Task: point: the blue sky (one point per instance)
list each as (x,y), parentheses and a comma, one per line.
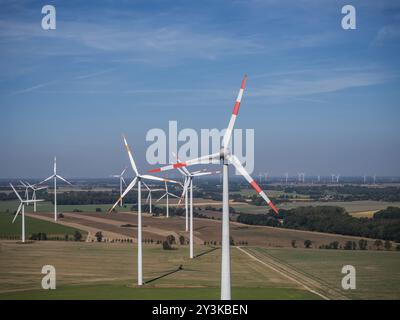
(321,99)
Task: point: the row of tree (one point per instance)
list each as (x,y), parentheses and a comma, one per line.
(385,224)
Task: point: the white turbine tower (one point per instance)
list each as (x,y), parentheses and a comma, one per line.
(286,177)
(188,185)
(55,176)
(34,189)
(21,208)
(226,158)
(167,194)
(121,180)
(139,177)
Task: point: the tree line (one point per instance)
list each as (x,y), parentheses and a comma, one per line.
(385,224)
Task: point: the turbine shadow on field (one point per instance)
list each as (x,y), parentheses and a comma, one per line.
(205,252)
(164,275)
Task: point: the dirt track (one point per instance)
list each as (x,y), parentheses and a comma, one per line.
(309,283)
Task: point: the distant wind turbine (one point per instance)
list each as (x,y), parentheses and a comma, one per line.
(21,208)
(139,177)
(34,189)
(167,194)
(121,180)
(55,176)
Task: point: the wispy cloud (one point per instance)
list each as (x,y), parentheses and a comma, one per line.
(33,88)
(94,74)
(388,34)
(312,82)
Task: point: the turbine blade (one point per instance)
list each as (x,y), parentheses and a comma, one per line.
(15,191)
(204,159)
(148,198)
(229,129)
(131,185)
(33,200)
(161,197)
(47,179)
(149,177)
(147,187)
(203,174)
(173,195)
(21,182)
(16,214)
(185,186)
(61,178)
(123,180)
(235,161)
(133,164)
(183,170)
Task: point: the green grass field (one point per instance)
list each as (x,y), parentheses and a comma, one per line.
(124,292)
(108,271)
(7,228)
(12,206)
(377,272)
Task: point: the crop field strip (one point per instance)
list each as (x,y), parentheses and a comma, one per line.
(308,280)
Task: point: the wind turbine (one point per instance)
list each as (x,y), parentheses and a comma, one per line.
(337,178)
(188,184)
(121,180)
(149,196)
(167,194)
(139,177)
(21,208)
(26,190)
(226,158)
(34,189)
(55,176)
(286,177)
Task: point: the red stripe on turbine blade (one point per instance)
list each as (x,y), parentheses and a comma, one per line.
(244,81)
(179,165)
(236,108)
(255,186)
(273,207)
(154,170)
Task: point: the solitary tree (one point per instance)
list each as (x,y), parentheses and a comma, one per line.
(307,243)
(166,245)
(378,244)
(77,236)
(99,236)
(170,239)
(294,244)
(388,245)
(362,244)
